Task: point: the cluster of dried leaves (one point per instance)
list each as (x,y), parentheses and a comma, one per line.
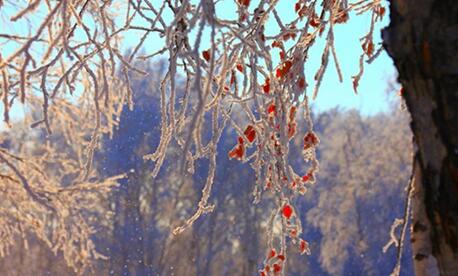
(66,59)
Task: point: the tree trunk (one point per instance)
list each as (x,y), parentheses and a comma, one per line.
(422,39)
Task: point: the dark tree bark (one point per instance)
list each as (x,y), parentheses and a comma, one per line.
(422,39)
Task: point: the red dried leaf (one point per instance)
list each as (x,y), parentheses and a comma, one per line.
(315,22)
(266,86)
(245,3)
(368,47)
(282,55)
(272,253)
(310,176)
(287,65)
(297,7)
(206,55)
(310,140)
(272,108)
(283,69)
(281,257)
(239,67)
(287,211)
(250,133)
(237,152)
(380,11)
(277,268)
(305,178)
(277,44)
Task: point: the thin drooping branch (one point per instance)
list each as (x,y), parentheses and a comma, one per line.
(251,82)
(399,242)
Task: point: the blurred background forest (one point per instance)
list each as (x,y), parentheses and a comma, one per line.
(365,167)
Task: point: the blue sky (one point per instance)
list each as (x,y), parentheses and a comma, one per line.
(374,86)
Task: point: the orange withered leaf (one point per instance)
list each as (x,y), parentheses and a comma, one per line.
(291,129)
(292,113)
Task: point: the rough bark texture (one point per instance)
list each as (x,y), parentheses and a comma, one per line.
(422,39)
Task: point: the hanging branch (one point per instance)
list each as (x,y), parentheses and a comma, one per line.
(73,69)
(394,240)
